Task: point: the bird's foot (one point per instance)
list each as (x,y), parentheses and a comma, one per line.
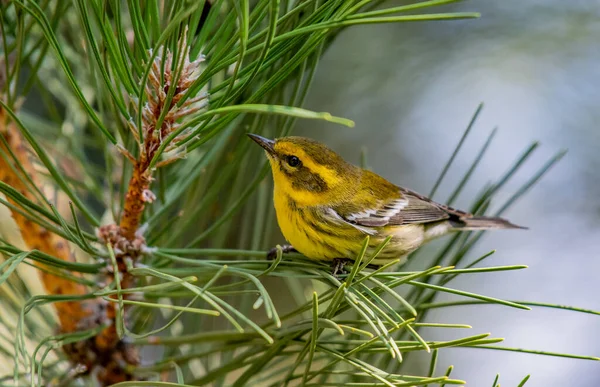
(272,254)
(337,266)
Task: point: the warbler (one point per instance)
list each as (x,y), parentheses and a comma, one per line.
(326,206)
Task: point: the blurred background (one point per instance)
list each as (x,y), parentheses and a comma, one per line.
(535,66)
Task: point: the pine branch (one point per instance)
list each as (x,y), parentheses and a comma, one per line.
(160,116)
(35,236)
(73,315)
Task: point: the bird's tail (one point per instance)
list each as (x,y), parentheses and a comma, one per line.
(482,223)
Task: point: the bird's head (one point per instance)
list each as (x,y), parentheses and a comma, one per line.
(307,171)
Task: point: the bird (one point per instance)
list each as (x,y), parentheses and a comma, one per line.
(326,207)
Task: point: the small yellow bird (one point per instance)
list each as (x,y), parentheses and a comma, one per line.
(326,206)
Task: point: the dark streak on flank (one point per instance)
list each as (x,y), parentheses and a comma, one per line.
(291,204)
(321,230)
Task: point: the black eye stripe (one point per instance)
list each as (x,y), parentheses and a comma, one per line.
(300,176)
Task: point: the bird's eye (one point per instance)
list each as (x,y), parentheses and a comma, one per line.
(293,161)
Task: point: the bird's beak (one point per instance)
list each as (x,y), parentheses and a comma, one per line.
(267,144)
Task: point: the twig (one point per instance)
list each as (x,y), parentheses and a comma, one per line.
(35,236)
(159,119)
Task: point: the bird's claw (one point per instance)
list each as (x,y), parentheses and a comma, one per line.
(272,254)
(337,266)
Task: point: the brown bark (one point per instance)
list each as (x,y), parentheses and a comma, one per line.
(36,237)
(105,353)
(108,357)
(135,199)
(118,354)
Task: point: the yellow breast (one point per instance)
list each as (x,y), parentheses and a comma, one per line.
(298,228)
